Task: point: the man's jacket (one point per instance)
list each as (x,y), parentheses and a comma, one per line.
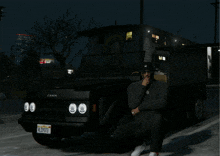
(153,97)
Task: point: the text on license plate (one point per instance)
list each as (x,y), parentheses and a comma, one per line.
(45,129)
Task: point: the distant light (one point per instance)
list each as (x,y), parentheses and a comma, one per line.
(164,58)
(23,35)
(70,71)
(219,50)
(175,40)
(148,31)
(129,35)
(183,44)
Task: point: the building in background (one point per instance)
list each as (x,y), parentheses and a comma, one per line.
(22,39)
(121,48)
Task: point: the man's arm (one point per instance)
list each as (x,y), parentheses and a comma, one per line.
(158,101)
(136,92)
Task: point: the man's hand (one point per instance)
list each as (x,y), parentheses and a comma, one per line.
(135,111)
(146,81)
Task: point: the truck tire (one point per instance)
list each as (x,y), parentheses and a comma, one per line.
(47,140)
(199,109)
(197,112)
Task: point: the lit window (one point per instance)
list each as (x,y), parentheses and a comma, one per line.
(162,58)
(129,35)
(165,43)
(70,71)
(155,36)
(183,44)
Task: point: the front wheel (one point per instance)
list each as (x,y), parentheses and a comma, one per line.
(45,140)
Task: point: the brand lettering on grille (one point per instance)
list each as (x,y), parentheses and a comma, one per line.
(51,95)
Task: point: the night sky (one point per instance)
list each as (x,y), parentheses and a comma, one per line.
(194,19)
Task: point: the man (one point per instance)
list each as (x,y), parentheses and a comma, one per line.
(147,100)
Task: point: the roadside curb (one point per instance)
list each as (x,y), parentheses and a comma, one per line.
(196,126)
(187,132)
(213,85)
(8,118)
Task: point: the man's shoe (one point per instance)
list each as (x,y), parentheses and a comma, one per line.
(137,151)
(153,154)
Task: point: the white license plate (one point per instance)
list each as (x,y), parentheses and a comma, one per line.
(45,129)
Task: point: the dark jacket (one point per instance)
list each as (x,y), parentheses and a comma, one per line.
(153,97)
(150,117)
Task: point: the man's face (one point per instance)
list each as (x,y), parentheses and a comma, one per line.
(146,74)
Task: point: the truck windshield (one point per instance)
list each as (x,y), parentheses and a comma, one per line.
(120,64)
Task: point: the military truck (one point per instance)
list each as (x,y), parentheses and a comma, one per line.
(69,106)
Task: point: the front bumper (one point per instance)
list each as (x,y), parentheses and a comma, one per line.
(75,126)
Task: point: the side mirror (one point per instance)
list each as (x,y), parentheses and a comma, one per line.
(135,76)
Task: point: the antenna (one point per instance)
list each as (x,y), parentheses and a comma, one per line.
(141,11)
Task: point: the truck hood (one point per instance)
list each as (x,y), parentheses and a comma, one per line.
(77,89)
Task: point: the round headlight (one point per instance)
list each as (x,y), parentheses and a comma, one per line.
(26,106)
(72,108)
(82,108)
(32,107)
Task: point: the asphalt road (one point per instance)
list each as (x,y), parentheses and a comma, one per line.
(199,139)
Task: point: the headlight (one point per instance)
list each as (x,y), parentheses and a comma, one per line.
(26,106)
(32,107)
(72,108)
(82,108)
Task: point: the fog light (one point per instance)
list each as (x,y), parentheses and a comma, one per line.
(72,108)
(26,106)
(82,108)
(32,107)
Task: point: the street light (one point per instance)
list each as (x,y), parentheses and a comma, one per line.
(216,5)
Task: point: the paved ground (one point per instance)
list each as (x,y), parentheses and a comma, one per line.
(201,139)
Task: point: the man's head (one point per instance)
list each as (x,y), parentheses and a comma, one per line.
(148,70)
(147,74)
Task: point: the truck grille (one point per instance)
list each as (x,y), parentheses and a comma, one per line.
(54,110)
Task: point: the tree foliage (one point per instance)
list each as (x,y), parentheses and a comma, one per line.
(6,66)
(56,37)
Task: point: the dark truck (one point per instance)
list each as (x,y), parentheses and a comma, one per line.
(71,106)
(57,108)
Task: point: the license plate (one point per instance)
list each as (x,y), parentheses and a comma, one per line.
(45,129)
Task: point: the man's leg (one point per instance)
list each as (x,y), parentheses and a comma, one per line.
(157,133)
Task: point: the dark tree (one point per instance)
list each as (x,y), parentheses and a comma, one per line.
(6,66)
(56,37)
